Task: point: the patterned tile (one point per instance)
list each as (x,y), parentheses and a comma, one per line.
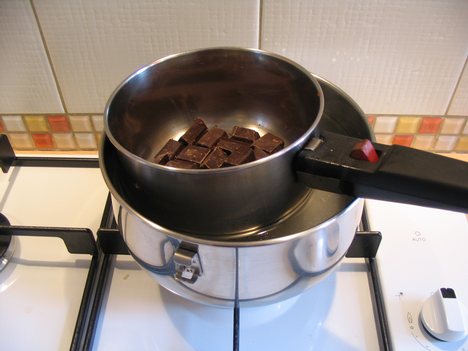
(462,144)
(58,124)
(445,143)
(21,141)
(64,141)
(404,140)
(36,123)
(452,125)
(81,123)
(423,142)
(408,124)
(14,124)
(86,140)
(42,140)
(385,124)
(430,125)
(98,123)
(384,139)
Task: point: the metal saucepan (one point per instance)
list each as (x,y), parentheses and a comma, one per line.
(266,92)
(275,263)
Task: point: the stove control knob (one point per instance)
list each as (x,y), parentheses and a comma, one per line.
(444,316)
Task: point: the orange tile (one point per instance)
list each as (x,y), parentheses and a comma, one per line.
(371,120)
(43,141)
(430,125)
(59,123)
(404,140)
(2,128)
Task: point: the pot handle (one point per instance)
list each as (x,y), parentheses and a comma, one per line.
(347,165)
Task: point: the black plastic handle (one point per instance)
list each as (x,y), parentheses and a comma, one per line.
(401,174)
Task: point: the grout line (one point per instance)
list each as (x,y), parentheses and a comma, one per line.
(456,86)
(49,58)
(260,17)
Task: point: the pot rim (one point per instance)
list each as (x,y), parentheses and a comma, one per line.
(299,142)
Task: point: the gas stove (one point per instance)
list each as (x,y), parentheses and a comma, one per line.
(70,283)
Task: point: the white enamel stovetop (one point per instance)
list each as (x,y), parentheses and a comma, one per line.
(40,291)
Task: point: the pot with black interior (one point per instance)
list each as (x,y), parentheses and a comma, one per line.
(268,265)
(229,87)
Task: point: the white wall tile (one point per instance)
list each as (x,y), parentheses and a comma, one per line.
(391,56)
(26,80)
(459,104)
(94,45)
(385,124)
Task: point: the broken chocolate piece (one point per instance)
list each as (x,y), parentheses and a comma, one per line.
(231,146)
(245,135)
(168,152)
(259,153)
(269,143)
(238,158)
(211,137)
(194,133)
(182,164)
(215,160)
(193,153)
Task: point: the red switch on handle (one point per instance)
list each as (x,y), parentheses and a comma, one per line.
(364,150)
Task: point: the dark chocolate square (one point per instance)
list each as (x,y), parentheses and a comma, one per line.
(168,152)
(211,137)
(193,153)
(245,135)
(238,158)
(269,143)
(215,159)
(231,146)
(194,133)
(259,153)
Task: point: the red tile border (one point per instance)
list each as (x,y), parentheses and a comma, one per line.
(59,124)
(430,125)
(404,140)
(43,141)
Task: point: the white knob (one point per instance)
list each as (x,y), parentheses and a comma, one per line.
(444,316)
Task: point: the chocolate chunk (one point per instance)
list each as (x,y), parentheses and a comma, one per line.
(269,143)
(212,148)
(194,132)
(182,164)
(238,158)
(211,137)
(245,135)
(193,153)
(168,152)
(259,153)
(231,146)
(215,160)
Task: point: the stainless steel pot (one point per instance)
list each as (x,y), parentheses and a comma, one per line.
(252,88)
(270,265)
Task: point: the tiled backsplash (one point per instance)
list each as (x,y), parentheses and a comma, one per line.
(432,133)
(403,61)
(83,132)
(53,132)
